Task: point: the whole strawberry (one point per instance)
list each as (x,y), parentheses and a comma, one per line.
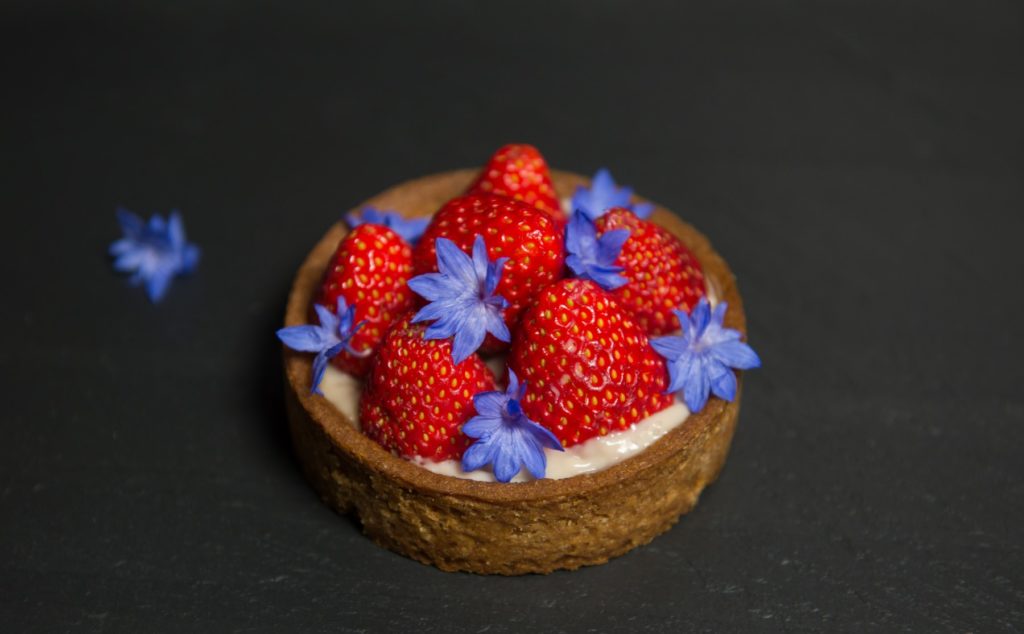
(370,270)
(417,398)
(588,364)
(525,235)
(661,273)
(644,266)
(519,171)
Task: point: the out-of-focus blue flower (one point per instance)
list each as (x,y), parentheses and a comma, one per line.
(507,439)
(603,194)
(410,229)
(702,359)
(462,299)
(593,258)
(153,252)
(642,210)
(327,339)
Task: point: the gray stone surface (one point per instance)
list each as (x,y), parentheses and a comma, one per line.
(860,166)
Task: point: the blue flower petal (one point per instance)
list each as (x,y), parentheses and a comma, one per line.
(431,286)
(576,264)
(131,225)
(487,404)
(303,338)
(480,260)
(684,322)
(535,461)
(443,328)
(332,335)
(158,281)
(493,278)
(453,263)
(580,234)
(700,317)
(366,216)
(430,312)
(345,315)
(122,246)
(679,371)
(461,299)
(454,314)
(736,354)
(593,258)
(607,277)
(154,252)
(496,325)
(482,425)
(603,194)
(155,225)
(702,360)
(643,210)
(347,342)
(669,347)
(467,340)
(130,259)
(506,464)
(190,258)
(176,231)
(478,456)
(544,437)
(514,391)
(506,438)
(410,229)
(696,385)
(716,335)
(319,367)
(609,246)
(722,380)
(718,313)
(328,320)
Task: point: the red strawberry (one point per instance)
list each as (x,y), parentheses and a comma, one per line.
(663,275)
(370,269)
(588,364)
(527,236)
(416,399)
(519,171)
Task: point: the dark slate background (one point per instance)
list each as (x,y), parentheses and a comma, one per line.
(860,165)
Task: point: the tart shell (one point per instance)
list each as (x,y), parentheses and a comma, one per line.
(493,528)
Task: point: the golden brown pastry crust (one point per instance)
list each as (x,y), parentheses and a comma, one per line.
(493,528)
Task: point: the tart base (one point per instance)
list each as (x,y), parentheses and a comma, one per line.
(491,528)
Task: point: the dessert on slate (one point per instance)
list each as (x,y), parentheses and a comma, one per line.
(513,370)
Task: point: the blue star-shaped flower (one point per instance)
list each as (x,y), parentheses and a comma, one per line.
(593,258)
(462,298)
(701,360)
(153,252)
(409,228)
(603,194)
(327,339)
(506,437)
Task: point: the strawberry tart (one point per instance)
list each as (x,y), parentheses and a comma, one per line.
(512,369)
